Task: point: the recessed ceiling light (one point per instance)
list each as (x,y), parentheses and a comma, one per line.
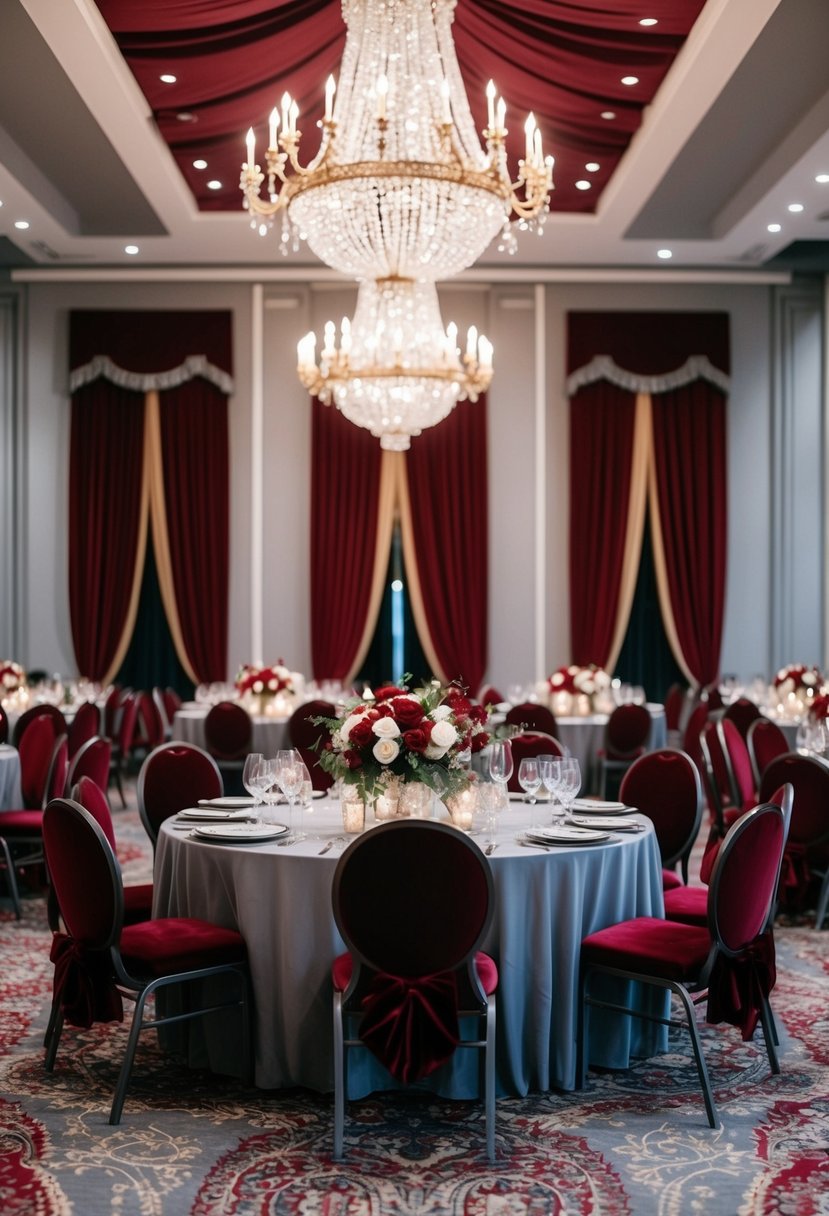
(608,114)
(199,164)
(647,20)
(630,80)
(167,78)
(132,250)
(583,184)
(592,166)
(795,207)
(775,228)
(22,224)
(822,178)
(664,254)
(214,185)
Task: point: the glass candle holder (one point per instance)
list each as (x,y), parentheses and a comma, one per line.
(354,813)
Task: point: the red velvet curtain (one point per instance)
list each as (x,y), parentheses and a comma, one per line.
(345,479)
(690,465)
(105,475)
(447,475)
(601,447)
(194,442)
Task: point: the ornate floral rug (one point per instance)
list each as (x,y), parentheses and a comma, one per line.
(191,1144)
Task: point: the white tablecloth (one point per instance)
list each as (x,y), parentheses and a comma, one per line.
(270,734)
(545,903)
(10,795)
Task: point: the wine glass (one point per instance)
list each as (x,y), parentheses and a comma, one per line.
(549,768)
(271,791)
(289,768)
(570,783)
(253,778)
(529,778)
(500,761)
(306,798)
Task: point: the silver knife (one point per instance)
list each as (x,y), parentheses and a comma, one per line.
(325,848)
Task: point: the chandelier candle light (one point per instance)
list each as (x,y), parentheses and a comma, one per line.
(399,195)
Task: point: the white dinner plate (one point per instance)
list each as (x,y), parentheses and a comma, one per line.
(211,813)
(240,833)
(566,835)
(228,804)
(523,798)
(611,824)
(595,806)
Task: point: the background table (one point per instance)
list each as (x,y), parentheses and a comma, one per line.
(545,903)
(11,797)
(270,734)
(584,737)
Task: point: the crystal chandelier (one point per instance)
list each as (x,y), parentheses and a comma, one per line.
(400,194)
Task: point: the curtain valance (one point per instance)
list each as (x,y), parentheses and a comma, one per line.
(603,367)
(103,368)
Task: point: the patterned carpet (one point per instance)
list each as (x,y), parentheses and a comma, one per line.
(635,1142)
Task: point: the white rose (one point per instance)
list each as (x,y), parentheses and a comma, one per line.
(443,735)
(258,686)
(385,728)
(434,753)
(385,750)
(557,679)
(442,711)
(602,679)
(273,685)
(581,681)
(809,678)
(348,726)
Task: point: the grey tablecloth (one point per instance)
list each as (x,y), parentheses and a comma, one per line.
(10,795)
(545,903)
(269,734)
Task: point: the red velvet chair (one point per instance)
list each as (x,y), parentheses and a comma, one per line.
(806,863)
(93,760)
(21,843)
(149,724)
(99,960)
(122,742)
(524,747)
(738,759)
(228,731)
(413,901)
(4,725)
(172,703)
(304,735)
(490,695)
(138,897)
(731,960)
(113,706)
(674,702)
(32,715)
(718,779)
(742,713)
(531,716)
(665,786)
(173,776)
(766,741)
(86,724)
(693,729)
(626,735)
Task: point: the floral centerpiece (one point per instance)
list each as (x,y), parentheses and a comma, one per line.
(798,679)
(401,737)
(264,686)
(578,688)
(819,707)
(12,677)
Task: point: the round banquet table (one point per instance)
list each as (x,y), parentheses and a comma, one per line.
(270,733)
(11,797)
(279,898)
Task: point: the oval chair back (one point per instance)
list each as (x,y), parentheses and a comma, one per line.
(35,749)
(4,725)
(527,745)
(627,732)
(85,725)
(674,701)
(490,695)
(742,713)
(93,761)
(665,786)
(304,735)
(743,884)
(32,715)
(88,794)
(58,769)
(112,709)
(228,731)
(739,761)
(766,741)
(719,782)
(173,776)
(809,777)
(84,874)
(531,716)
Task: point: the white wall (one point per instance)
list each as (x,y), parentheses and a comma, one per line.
(507,313)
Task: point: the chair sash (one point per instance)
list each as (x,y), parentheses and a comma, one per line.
(411,1025)
(737,986)
(83,983)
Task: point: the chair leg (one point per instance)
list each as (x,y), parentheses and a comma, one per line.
(823,900)
(53,1032)
(769,1033)
(489,1078)
(339,1077)
(14,894)
(702,1070)
(129,1056)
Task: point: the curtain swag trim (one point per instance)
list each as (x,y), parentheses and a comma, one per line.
(603,367)
(147,382)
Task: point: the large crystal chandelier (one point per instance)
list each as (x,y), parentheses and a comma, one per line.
(400,194)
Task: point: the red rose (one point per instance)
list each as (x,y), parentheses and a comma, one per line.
(417,739)
(478,741)
(388,691)
(353,759)
(361,733)
(478,714)
(406,712)
(383,711)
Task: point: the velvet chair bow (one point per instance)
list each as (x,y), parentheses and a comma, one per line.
(737,984)
(84,984)
(411,1025)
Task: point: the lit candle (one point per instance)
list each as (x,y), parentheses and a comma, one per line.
(250,140)
(330,90)
(294,116)
(354,814)
(273,127)
(529,130)
(538,151)
(345,336)
(382,94)
(502,114)
(444,93)
(328,340)
(490,105)
(471,342)
(286,112)
(485,350)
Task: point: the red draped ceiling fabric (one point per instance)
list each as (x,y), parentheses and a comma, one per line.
(562,59)
(678,364)
(115,359)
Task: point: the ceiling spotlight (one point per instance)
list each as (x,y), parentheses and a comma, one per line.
(608,114)
(592,166)
(22,224)
(214,185)
(775,228)
(167,78)
(664,254)
(200,164)
(583,184)
(647,20)
(795,207)
(823,178)
(630,80)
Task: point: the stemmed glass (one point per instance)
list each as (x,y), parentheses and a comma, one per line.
(570,783)
(500,761)
(255,778)
(289,776)
(529,778)
(306,795)
(550,771)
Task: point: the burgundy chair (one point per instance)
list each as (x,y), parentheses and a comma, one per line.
(674,701)
(172,703)
(626,734)
(99,960)
(166,720)
(413,971)
(4,725)
(93,760)
(742,713)
(712,697)
(766,741)
(149,725)
(532,716)
(665,786)
(138,897)
(718,778)
(21,843)
(122,742)
(32,715)
(173,776)
(304,736)
(490,695)
(806,863)
(228,731)
(735,748)
(693,729)
(85,725)
(731,960)
(524,747)
(113,705)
